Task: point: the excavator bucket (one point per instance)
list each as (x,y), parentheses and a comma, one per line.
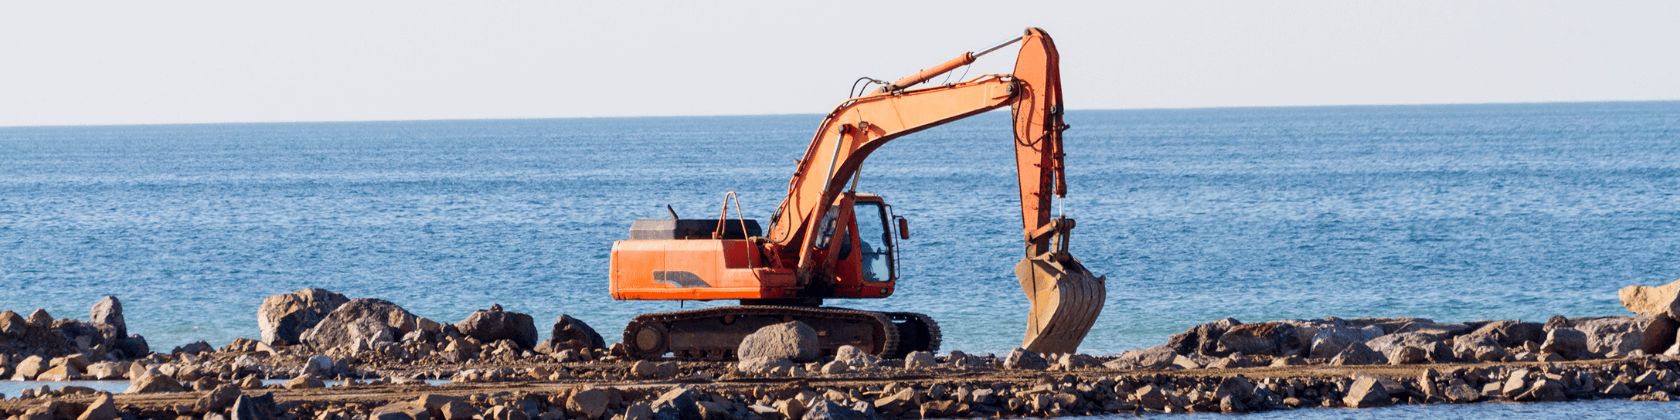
(1066,299)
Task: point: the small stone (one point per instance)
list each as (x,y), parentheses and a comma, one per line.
(1366,393)
(591,403)
(919,360)
(151,383)
(102,408)
(644,369)
(1461,393)
(458,410)
(679,404)
(218,399)
(1020,358)
(305,382)
(1405,355)
(835,367)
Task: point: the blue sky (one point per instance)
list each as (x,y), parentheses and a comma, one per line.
(74,63)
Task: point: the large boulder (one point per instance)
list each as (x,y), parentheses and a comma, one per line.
(371,320)
(496,324)
(12,324)
(792,340)
(1481,347)
(1512,333)
(1266,338)
(108,312)
(284,318)
(1647,300)
(1329,341)
(1150,358)
(153,382)
(1624,334)
(1391,344)
(1567,342)
(571,334)
(1358,354)
(1201,339)
(1366,392)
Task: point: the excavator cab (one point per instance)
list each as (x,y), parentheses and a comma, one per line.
(877,253)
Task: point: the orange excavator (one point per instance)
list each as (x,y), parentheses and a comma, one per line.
(828,241)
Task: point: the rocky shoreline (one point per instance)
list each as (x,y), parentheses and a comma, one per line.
(361,359)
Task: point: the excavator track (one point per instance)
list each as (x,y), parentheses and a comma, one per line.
(713,334)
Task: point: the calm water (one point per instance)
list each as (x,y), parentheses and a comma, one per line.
(1455,213)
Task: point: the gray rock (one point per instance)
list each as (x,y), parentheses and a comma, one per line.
(1461,393)
(1512,333)
(1151,358)
(1432,347)
(1647,300)
(589,402)
(133,347)
(791,340)
(102,408)
(39,318)
(1623,334)
(1201,339)
(676,404)
(1544,390)
(1020,358)
(828,410)
(1072,361)
(218,399)
(1332,340)
(318,365)
(1358,354)
(572,334)
(1405,355)
(1438,331)
(639,411)
(1366,393)
(763,365)
(152,383)
(370,320)
(109,312)
(1479,346)
(1567,342)
(919,360)
(496,324)
(260,407)
(283,318)
(1266,338)
(855,357)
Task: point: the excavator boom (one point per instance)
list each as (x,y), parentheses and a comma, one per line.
(1066,298)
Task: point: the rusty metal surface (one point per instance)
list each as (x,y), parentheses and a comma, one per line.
(1066,300)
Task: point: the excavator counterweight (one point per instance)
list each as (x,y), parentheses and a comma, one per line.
(827,241)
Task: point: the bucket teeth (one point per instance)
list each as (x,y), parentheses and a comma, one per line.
(1066,300)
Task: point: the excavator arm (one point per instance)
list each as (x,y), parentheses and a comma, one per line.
(1066,298)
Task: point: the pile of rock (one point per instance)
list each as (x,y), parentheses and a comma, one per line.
(39,345)
(373,330)
(1228,343)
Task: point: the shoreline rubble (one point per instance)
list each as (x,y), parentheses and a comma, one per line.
(363,359)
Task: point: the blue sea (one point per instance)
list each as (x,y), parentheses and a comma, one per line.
(1449,212)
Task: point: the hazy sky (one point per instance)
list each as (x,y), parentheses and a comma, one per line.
(183,62)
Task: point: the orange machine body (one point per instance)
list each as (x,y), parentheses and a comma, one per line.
(705,269)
